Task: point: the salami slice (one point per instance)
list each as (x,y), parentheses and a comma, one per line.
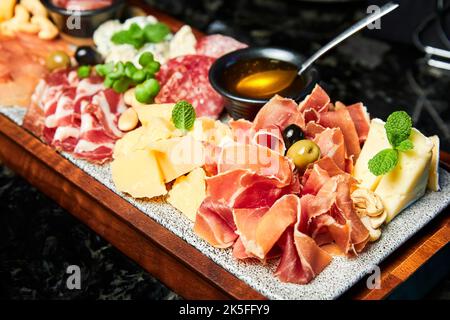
(217,45)
(186,78)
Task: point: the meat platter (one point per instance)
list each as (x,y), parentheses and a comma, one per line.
(300,202)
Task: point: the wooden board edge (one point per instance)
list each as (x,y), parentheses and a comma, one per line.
(69,186)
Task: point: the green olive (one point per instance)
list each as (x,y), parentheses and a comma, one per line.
(303,152)
(57,60)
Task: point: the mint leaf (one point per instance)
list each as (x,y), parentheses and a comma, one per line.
(383,162)
(183,115)
(156,32)
(405,145)
(398,127)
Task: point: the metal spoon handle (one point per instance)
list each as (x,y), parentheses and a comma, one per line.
(348,32)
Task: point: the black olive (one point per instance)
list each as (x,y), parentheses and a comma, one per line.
(291,134)
(88,56)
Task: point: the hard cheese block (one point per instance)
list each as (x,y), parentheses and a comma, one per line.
(408,181)
(178,156)
(376,141)
(433,180)
(140,138)
(138,174)
(188,193)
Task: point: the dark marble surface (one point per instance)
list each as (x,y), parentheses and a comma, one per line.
(38,239)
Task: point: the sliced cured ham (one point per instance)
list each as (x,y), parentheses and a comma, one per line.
(260,229)
(214,223)
(318,100)
(341,119)
(22,65)
(279,112)
(361,119)
(258,159)
(332,145)
(78,116)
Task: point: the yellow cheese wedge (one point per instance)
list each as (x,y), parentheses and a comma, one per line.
(433,180)
(7,9)
(128,143)
(138,174)
(376,141)
(178,156)
(407,182)
(140,138)
(209,130)
(188,193)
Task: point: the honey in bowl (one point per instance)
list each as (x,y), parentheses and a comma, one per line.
(261,78)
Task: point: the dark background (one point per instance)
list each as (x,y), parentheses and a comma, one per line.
(38,239)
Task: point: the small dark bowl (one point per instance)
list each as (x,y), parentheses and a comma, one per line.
(247,108)
(89,19)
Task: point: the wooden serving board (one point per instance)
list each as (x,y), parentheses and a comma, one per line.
(177,264)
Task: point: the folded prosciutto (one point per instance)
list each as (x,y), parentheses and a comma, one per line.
(261,206)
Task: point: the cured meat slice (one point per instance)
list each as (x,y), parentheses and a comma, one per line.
(75,115)
(217,45)
(261,228)
(247,189)
(258,159)
(186,78)
(361,119)
(312,129)
(271,138)
(214,223)
(22,65)
(318,100)
(341,118)
(331,144)
(242,131)
(279,112)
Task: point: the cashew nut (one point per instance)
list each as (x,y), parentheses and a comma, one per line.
(370,209)
(20,22)
(47,29)
(35,7)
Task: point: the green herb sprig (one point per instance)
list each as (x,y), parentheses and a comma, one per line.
(137,36)
(398,130)
(183,115)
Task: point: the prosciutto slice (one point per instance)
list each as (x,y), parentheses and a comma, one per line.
(332,145)
(318,100)
(214,223)
(279,112)
(341,119)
